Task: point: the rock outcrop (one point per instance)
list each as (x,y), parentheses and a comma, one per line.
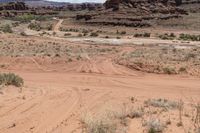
(134,13)
(12,9)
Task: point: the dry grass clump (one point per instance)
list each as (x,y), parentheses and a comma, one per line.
(110,119)
(155,126)
(11,79)
(98,124)
(163,60)
(136,113)
(164,103)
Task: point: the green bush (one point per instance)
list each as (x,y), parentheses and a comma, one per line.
(138,35)
(49,27)
(167,36)
(11,79)
(168,70)
(142,35)
(172,35)
(187,37)
(94,34)
(147,35)
(6,28)
(29,17)
(34,26)
(24,18)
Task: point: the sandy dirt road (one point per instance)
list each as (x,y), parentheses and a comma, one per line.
(57,26)
(53,102)
(55,96)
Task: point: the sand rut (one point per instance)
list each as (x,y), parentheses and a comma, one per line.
(103,66)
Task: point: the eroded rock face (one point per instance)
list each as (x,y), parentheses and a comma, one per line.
(134,13)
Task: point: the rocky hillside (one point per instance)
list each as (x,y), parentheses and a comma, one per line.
(42,7)
(13,6)
(13,9)
(134,13)
(57,5)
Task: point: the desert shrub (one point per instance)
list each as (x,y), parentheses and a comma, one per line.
(85,34)
(167,36)
(106,36)
(54,33)
(94,34)
(142,34)
(29,17)
(11,79)
(164,103)
(67,34)
(118,37)
(188,37)
(15,24)
(98,124)
(99,31)
(182,69)
(155,126)
(49,27)
(23,33)
(6,28)
(137,113)
(85,31)
(168,70)
(34,26)
(80,35)
(147,35)
(123,33)
(172,35)
(24,18)
(190,56)
(163,37)
(72,30)
(138,35)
